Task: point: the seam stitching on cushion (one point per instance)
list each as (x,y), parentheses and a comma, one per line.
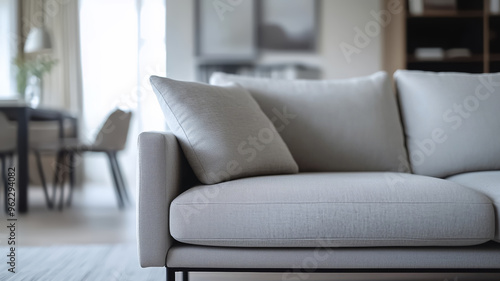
(326,238)
(180,125)
(314,203)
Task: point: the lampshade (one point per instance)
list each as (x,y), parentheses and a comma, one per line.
(38,41)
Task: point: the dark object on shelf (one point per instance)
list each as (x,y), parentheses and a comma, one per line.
(430,5)
(468,5)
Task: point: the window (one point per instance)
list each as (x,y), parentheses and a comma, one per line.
(122,45)
(8,48)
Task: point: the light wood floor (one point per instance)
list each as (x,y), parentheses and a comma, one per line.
(93,218)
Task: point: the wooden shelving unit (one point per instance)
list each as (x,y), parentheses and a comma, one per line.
(470,26)
(449,14)
(472,58)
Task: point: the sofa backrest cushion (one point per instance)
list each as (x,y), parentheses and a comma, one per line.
(333,125)
(451,120)
(222,131)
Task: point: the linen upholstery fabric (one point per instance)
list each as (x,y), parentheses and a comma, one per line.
(162,175)
(486,256)
(222,131)
(451,121)
(487,183)
(333,125)
(332,209)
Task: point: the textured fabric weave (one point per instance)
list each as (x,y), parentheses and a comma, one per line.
(486,256)
(451,121)
(488,183)
(222,131)
(333,125)
(338,209)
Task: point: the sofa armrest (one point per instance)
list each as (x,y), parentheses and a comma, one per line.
(162,175)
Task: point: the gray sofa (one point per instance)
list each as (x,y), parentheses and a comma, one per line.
(392,183)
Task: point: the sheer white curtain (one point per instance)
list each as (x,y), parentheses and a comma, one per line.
(8,48)
(122,44)
(62,86)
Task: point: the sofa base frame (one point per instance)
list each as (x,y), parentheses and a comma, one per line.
(170,272)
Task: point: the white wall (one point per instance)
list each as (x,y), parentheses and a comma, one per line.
(180,40)
(338,21)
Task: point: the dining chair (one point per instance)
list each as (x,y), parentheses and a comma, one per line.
(7,150)
(111,139)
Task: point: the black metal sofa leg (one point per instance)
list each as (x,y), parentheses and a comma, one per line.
(170,274)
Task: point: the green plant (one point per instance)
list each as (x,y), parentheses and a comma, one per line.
(37,66)
(21,75)
(40,65)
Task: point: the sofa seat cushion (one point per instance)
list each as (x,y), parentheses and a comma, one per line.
(332,209)
(487,183)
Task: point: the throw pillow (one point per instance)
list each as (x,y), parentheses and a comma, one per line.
(222,131)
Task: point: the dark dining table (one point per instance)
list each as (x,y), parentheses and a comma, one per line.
(23,114)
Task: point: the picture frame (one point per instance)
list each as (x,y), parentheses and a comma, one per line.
(289,25)
(226,31)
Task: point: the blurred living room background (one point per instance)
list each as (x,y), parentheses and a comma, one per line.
(97,56)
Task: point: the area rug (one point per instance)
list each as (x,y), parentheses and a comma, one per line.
(75,263)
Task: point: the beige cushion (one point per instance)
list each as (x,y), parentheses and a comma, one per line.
(222,131)
(333,125)
(451,121)
(332,210)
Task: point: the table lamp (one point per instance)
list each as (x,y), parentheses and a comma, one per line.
(37,42)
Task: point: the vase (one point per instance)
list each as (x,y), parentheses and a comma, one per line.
(33,93)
